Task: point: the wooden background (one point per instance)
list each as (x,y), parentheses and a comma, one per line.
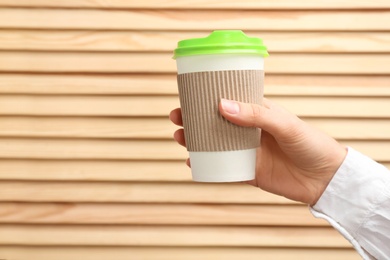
(88,167)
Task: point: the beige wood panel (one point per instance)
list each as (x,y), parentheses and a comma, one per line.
(88,166)
(201,4)
(194,19)
(157,214)
(305,106)
(72,62)
(157,84)
(173,253)
(98,170)
(162,128)
(103,235)
(87,170)
(137,192)
(68,40)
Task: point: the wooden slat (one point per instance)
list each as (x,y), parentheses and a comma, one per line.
(91,149)
(194,19)
(157,214)
(36,191)
(91,106)
(157,84)
(87,127)
(88,170)
(171,236)
(12,148)
(84,170)
(200,4)
(336,106)
(47,105)
(173,253)
(162,128)
(163,63)
(86,84)
(353,129)
(54,40)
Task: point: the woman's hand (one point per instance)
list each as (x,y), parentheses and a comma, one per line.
(294,160)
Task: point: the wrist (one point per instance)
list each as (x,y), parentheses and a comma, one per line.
(336,160)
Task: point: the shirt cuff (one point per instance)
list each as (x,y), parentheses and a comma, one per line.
(347,203)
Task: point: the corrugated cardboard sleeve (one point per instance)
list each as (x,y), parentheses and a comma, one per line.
(204,127)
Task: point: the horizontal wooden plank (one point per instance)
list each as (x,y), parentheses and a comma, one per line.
(74,62)
(91,84)
(174,253)
(157,214)
(322,237)
(37,191)
(194,19)
(353,129)
(39,148)
(87,106)
(87,127)
(161,128)
(99,170)
(69,105)
(200,4)
(336,106)
(68,40)
(91,149)
(157,84)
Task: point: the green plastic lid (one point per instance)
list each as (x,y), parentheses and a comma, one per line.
(221,42)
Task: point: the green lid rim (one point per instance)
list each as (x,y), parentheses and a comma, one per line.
(201,46)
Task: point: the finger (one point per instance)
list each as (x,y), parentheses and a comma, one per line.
(175,117)
(188,162)
(269,117)
(179,137)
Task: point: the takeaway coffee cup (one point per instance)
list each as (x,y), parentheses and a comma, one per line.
(226,64)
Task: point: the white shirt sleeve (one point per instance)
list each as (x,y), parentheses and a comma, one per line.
(357,203)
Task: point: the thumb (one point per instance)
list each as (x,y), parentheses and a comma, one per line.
(268,116)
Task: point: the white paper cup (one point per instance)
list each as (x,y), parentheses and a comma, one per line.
(219,150)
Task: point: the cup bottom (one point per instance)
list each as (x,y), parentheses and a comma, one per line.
(226,166)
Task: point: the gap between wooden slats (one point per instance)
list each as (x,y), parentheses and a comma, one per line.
(200,4)
(87,62)
(40,148)
(174,253)
(152,106)
(159,84)
(103,235)
(162,128)
(97,170)
(157,214)
(67,40)
(194,19)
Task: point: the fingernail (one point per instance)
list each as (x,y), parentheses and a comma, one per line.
(230,107)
